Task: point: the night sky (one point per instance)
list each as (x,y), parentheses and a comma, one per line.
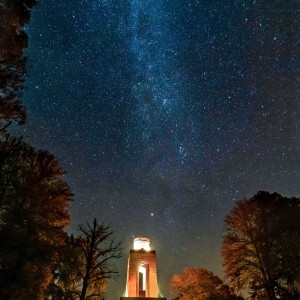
(164,113)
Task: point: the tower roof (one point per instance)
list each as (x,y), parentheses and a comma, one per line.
(141,243)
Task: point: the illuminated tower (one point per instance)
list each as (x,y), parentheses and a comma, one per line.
(141,271)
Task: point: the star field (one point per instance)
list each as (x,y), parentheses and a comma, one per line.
(164,113)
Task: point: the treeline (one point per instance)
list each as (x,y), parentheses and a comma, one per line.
(261,253)
(38,260)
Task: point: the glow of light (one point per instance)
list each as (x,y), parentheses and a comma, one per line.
(141,243)
(125,294)
(160,294)
(143,271)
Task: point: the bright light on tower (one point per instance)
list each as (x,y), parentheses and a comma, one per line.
(143,271)
(141,243)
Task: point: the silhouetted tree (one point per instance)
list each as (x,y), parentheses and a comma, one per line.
(98,251)
(33,215)
(13,39)
(261,246)
(33,198)
(200,284)
(66,281)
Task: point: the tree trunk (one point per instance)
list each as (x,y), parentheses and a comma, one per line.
(83,291)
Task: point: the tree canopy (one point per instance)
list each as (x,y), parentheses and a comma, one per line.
(34,214)
(85,264)
(200,284)
(13,39)
(261,246)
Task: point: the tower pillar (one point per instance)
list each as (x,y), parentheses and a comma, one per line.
(141,271)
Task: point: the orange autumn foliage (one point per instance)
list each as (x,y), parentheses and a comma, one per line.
(200,284)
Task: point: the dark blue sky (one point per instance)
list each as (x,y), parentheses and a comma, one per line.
(164,113)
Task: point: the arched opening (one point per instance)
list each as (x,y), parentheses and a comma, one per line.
(142,281)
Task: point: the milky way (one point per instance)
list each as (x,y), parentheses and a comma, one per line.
(164,113)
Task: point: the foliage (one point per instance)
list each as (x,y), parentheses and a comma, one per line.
(34,204)
(33,198)
(13,39)
(200,284)
(261,246)
(85,264)
(66,280)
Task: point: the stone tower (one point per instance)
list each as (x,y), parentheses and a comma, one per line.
(141,271)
